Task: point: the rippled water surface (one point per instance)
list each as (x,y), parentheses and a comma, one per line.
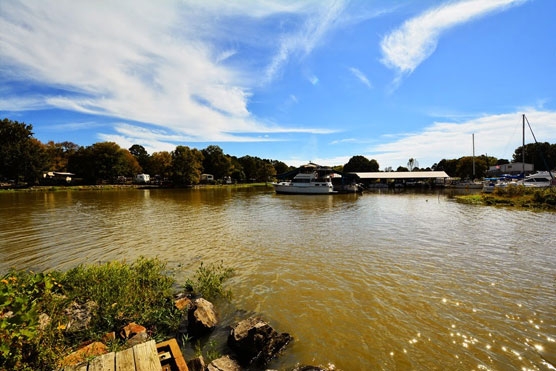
(377,281)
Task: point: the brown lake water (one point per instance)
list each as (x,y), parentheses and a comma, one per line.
(372,281)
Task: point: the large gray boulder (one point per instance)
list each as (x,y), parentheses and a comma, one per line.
(256,342)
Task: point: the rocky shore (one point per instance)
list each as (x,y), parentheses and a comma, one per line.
(252,343)
(63,319)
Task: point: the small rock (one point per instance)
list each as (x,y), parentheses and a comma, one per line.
(79,315)
(80,355)
(202,317)
(131,329)
(256,342)
(44,321)
(223,364)
(109,336)
(196,364)
(137,339)
(183,303)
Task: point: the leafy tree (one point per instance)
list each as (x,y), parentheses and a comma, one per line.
(37,162)
(449,166)
(141,155)
(280,167)
(103,161)
(128,165)
(265,171)
(215,162)
(534,155)
(502,161)
(20,154)
(249,165)
(464,167)
(236,172)
(161,164)
(187,165)
(402,169)
(59,154)
(361,164)
(489,160)
(111,161)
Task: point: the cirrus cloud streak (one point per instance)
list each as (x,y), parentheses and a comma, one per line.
(409,45)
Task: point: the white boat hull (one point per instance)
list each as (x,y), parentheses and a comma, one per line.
(303,189)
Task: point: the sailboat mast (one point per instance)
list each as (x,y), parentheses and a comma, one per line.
(473,139)
(523,148)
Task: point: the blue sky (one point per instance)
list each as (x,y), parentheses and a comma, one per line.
(288,80)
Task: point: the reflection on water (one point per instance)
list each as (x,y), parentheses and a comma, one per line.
(382,280)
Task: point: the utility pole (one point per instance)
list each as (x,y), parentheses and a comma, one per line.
(473,139)
(523,148)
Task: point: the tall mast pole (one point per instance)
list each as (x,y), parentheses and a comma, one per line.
(473,139)
(523,147)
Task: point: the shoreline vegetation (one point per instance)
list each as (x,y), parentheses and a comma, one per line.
(117,187)
(54,319)
(514,196)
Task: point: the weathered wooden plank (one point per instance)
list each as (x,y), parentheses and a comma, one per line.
(105,362)
(146,357)
(79,367)
(125,361)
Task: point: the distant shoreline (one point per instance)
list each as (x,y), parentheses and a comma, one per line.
(119,187)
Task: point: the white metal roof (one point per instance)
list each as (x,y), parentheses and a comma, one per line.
(403,175)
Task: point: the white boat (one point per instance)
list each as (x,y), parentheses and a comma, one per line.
(311,179)
(540,179)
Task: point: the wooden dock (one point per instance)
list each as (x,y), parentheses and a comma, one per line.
(142,357)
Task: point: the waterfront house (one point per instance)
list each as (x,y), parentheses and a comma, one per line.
(512,168)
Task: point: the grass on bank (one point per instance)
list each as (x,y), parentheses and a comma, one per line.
(515,196)
(140,292)
(116,187)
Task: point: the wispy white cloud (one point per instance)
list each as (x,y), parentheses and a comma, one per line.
(498,135)
(353,140)
(408,46)
(301,42)
(155,140)
(140,61)
(74,126)
(17,103)
(361,76)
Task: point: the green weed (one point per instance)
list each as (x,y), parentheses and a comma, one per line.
(208,281)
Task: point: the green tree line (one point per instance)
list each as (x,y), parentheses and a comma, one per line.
(24,158)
